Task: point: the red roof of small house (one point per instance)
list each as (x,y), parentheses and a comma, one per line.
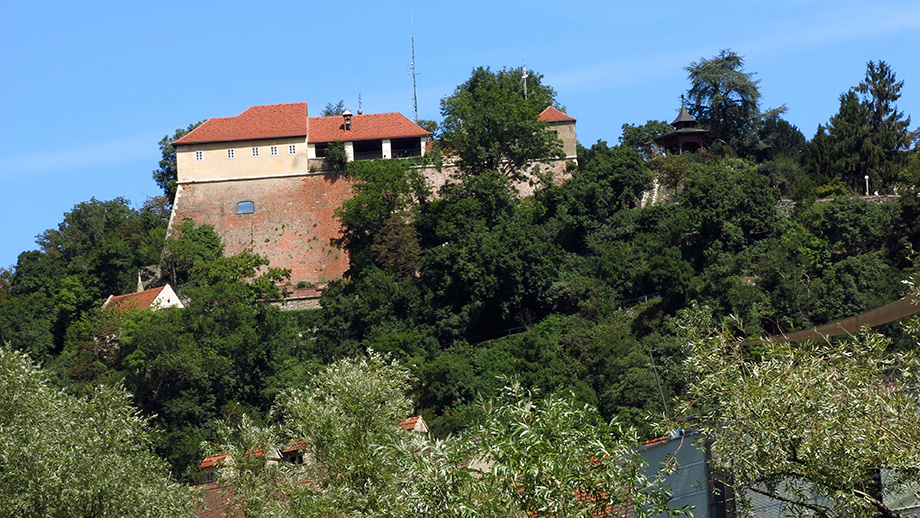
(372,126)
(133,301)
(295,445)
(213,460)
(411,423)
(408,423)
(551,114)
(257,122)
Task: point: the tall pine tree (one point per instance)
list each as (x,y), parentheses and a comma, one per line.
(868,135)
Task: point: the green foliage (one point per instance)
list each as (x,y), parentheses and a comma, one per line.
(167,174)
(489,125)
(867,136)
(331,110)
(95,252)
(550,457)
(777,138)
(72,456)
(553,456)
(189,249)
(726,100)
(608,180)
(336,158)
(642,138)
(806,420)
(376,220)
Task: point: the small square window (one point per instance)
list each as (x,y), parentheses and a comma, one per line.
(292,149)
(245,207)
(255,152)
(231,153)
(199,156)
(273,150)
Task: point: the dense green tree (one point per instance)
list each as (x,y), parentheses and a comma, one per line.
(642,138)
(190,248)
(489,123)
(551,456)
(95,252)
(725,99)
(848,409)
(778,138)
(847,133)
(609,179)
(70,456)
(867,137)
(336,158)
(331,110)
(879,92)
(377,220)
(167,174)
(486,268)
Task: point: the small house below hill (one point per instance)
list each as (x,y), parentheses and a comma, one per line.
(414,424)
(153,299)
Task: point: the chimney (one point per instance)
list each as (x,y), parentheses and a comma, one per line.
(347,116)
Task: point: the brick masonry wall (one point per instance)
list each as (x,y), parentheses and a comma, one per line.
(293,222)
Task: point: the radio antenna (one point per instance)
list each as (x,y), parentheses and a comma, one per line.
(413,73)
(524,75)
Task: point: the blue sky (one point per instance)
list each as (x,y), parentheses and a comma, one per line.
(87,89)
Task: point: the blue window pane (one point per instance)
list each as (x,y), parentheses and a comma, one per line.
(245,207)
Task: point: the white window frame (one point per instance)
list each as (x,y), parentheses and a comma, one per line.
(273,151)
(231,153)
(199,156)
(292,149)
(255,152)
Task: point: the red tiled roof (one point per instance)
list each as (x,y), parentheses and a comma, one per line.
(364,127)
(257,122)
(132,301)
(295,445)
(551,114)
(213,460)
(409,423)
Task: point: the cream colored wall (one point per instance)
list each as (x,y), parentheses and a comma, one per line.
(216,165)
(566,133)
(166,299)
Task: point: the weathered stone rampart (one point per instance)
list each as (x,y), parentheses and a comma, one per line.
(292,222)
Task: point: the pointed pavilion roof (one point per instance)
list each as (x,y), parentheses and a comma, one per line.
(684,119)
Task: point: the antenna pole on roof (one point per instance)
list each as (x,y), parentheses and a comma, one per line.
(359,104)
(413,73)
(524,75)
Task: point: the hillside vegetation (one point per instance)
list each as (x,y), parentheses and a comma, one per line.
(581,287)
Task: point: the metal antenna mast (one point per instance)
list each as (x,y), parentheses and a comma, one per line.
(524,75)
(413,73)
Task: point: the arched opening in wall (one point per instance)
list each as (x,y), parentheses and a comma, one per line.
(245,207)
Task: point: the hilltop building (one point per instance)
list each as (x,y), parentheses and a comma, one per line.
(687,137)
(258,178)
